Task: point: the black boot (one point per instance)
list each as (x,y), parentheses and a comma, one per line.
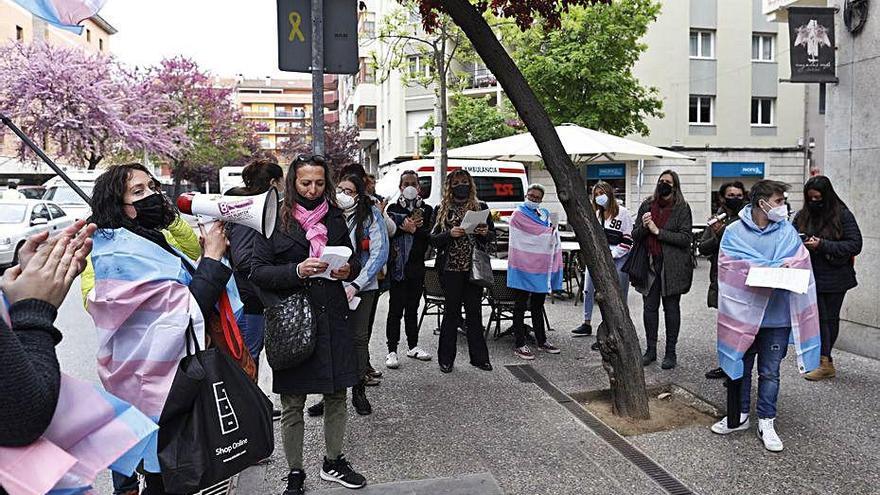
(296,478)
(359,400)
(317,409)
(669,361)
(650,356)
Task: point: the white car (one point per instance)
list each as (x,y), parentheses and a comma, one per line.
(64,196)
(19,219)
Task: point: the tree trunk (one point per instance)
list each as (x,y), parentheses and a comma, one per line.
(175,172)
(93,161)
(619,345)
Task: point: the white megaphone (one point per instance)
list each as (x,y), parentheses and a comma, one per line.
(257,212)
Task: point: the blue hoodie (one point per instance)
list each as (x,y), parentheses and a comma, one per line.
(768,240)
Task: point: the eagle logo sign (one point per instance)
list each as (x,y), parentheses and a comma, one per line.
(812,35)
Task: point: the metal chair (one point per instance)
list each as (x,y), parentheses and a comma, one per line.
(434,298)
(502,300)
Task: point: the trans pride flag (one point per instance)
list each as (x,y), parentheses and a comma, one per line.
(90,431)
(64,14)
(534,258)
(741,308)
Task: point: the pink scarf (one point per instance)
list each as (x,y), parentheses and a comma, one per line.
(316,232)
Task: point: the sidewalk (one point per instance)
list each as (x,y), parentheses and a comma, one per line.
(473,426)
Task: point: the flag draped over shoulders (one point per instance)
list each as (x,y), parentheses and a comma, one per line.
(741,308)
(534,258)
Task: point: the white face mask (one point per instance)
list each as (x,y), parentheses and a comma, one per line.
(776,214)
(344,201)
(602,200)
(410,193)
(531,204)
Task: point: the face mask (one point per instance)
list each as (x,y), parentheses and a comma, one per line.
(309,204)
(602,200)
(777,214)
(816,206)
(532,205)
(664,189)
(152,211)
(461,191)
(733,204)
(344,201)
(410,193)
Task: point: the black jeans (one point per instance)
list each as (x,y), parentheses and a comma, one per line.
(535,302)
(460,291)
(153,484)
(829,319)
(671,315)
(404,303)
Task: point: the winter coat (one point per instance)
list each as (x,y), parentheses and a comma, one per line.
(675,239)
(414,268)
(833,264)
(241,249)
(332,367)
(710,244)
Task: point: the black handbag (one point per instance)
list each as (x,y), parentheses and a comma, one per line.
(637,265)
(481,268)
(290,331)
(215,423)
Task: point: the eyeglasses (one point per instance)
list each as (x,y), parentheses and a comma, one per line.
(345,190)
(319,159)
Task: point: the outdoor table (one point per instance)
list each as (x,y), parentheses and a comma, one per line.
(567,235)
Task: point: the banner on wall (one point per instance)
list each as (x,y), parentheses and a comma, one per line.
(812,47)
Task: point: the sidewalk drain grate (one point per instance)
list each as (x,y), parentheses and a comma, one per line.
(672,485)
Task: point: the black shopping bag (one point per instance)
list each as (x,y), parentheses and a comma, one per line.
(215,423)
(637,265)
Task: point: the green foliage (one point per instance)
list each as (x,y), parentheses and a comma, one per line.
(582,72)
(474,120)
(426,145)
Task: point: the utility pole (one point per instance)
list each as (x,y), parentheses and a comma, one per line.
(318,77)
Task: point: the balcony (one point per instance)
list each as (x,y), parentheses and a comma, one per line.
(256,115)
(480,78)
(279,114)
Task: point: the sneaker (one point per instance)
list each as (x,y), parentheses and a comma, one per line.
(373,372)
(595,346)
(316,410)
(549,348)
(722,429)
(524,352)
(295,481)
(767,433)
(582,331)
(391,361)
(359,400)
(371,381)
(340,471)
(716,374)
(276,414)
(418,353)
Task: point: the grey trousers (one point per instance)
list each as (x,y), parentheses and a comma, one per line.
(360,323)
(293,426)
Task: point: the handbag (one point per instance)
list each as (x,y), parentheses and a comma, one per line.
(636,265)
(290,331)
(481,268)
(216,421)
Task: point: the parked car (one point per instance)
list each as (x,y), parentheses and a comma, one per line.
(32,192)
(57,191)
(22,218)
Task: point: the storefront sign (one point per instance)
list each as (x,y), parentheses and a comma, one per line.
(606,171)
(811,34)
(737,169)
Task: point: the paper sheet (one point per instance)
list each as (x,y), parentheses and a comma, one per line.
(335,257)
(554,219)
(790,279)
(354,303)
(472,219)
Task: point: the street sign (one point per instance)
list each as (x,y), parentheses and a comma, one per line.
(340,36)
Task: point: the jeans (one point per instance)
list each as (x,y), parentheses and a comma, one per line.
(771,346)
(404,300)
(829,319)
(590,290)
(671,315)
(123,484)
(536,308)
(253,327)
(360,324)
(460,291)
(293,427)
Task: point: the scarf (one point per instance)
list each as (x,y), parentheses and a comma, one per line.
(660,212)
(316,232)
(534,257)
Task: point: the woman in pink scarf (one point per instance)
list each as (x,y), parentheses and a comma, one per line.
(287,264)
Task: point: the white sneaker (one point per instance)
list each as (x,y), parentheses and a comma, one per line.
(391,361)
(767,433)
(722,429)
(418,353)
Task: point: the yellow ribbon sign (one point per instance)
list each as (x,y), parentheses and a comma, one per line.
(295,20)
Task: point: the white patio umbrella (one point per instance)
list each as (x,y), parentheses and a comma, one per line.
(584,145)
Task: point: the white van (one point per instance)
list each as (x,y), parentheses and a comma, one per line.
(502,185)
(230,177)
(58,192)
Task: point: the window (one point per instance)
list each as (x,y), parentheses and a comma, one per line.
(367,72)
(419,66)
(40,211)
(19,33)
(367,25)
(762,112)
(101,44)
(88,35)
(701,110)
(702,44)
(366,117)
(762,47)
(56,212)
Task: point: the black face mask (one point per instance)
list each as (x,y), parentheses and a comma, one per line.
(309,204)
(664,189)
(153,211)
(733,204)
(461,191)
(816,206)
